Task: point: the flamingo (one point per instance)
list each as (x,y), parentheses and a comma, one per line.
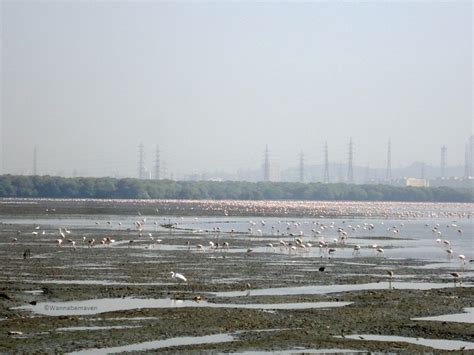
(390,275)
(450,253)
(270,245)
(456,276)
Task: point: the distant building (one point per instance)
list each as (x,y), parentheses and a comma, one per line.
(415,182)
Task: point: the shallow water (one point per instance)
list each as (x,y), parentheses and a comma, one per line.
(159,344)
(466,317)
(413,240)
(440,344)
(325,289)
(302,351)
(101,305)
(73,329)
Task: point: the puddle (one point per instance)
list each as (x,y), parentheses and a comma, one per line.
(88,282)
(450,265)
(95,306)
(439,344)
(73,329)
(301,351)
(466,317)
(324,289)
(131,318)
(34,292)
(159,344)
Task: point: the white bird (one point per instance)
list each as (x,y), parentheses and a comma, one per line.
(177,276)
(356,249)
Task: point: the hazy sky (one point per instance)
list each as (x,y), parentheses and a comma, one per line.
(212,83)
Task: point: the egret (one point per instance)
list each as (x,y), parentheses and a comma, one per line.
(177,276)
(356,250)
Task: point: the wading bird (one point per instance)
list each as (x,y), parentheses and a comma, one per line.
(177,276)
(456,276)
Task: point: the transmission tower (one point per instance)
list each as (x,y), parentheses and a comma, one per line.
(469,156)
(350,171)
(422,170)
(266,165)
(157,164)
(141,161)
(388,175)
(35,161)
(367,173)
(443,161)
(326,164)
(301,167)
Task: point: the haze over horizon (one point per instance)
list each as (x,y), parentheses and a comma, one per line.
(213,83)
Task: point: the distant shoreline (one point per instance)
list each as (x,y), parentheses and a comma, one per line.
(16,186)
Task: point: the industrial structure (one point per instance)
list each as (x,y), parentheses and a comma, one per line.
(266,165)
(157,164)
(141,162)
(301,166)
(388,174)
(350,169)
(326,164)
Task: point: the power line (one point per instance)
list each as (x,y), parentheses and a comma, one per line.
(141,161)
(266,165)
(388,175)
(443,161)
(350,170)
(35,161)
(157,164)
(326,164)
(301,167)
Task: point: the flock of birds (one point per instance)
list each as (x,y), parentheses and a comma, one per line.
(290,234)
